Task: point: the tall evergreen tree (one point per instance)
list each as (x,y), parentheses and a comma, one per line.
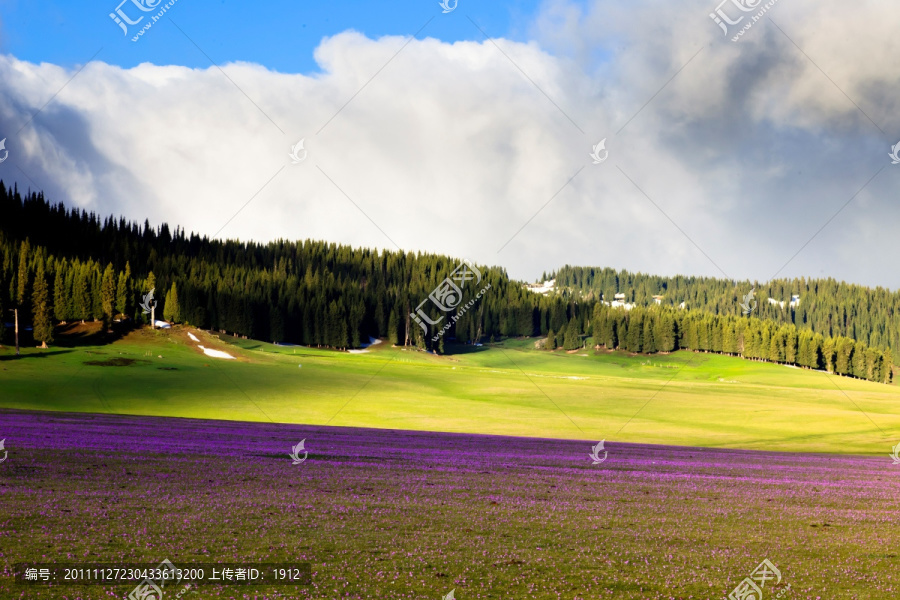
(22,274)
(123,293)
(108,295)
(60,300)
(572,341)
(41,307)
(171,307)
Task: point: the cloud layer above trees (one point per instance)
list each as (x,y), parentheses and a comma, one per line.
(729,168)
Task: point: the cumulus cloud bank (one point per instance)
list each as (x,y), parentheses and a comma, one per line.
(724,158)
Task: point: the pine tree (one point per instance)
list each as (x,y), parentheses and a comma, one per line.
(60,302)
(41,308)
(572,341)
(664,334)
(859,360)
(649,336)
(81,290)
(122,292)
(393,329)
(634,339)
(108,295)
(172,310)
(22,275)
(843,352)
(550,344)
(96,294)
(597,324)
(790,345)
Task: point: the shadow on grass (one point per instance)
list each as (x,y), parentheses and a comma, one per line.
(73,335)
(28,355)
(455,349)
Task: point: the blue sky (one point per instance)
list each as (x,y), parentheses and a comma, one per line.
(279,34)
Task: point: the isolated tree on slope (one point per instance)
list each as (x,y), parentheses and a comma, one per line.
(171,311)
(41,309)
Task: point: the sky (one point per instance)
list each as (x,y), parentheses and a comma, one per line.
(524,134)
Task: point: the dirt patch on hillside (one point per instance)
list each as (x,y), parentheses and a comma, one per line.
(112,362)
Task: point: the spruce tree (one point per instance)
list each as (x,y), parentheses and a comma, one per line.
(22,274)
(41,308)
(393,328)
(635,336)
(571,340)
(60,301)
(81,290)
(172,310)
(108,295)
(122,295)
(649,333)
(96,293)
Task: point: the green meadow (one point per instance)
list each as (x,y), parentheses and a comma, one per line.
(683,398)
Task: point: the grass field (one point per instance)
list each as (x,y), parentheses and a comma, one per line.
(510,389)
(382,511)
(414,515)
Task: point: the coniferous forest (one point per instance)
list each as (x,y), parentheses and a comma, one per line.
(59,265)
(825,306)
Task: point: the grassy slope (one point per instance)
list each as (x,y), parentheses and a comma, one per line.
(691,399)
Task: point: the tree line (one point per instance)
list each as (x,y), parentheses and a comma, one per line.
(60,265)
(664,329)
(828,307)
(305,292)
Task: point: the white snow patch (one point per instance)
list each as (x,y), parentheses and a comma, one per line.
(192,336)
(357,351)
(215,353)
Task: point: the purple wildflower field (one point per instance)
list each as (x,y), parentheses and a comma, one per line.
(409,515)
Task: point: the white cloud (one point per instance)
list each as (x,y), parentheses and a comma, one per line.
(450,149)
